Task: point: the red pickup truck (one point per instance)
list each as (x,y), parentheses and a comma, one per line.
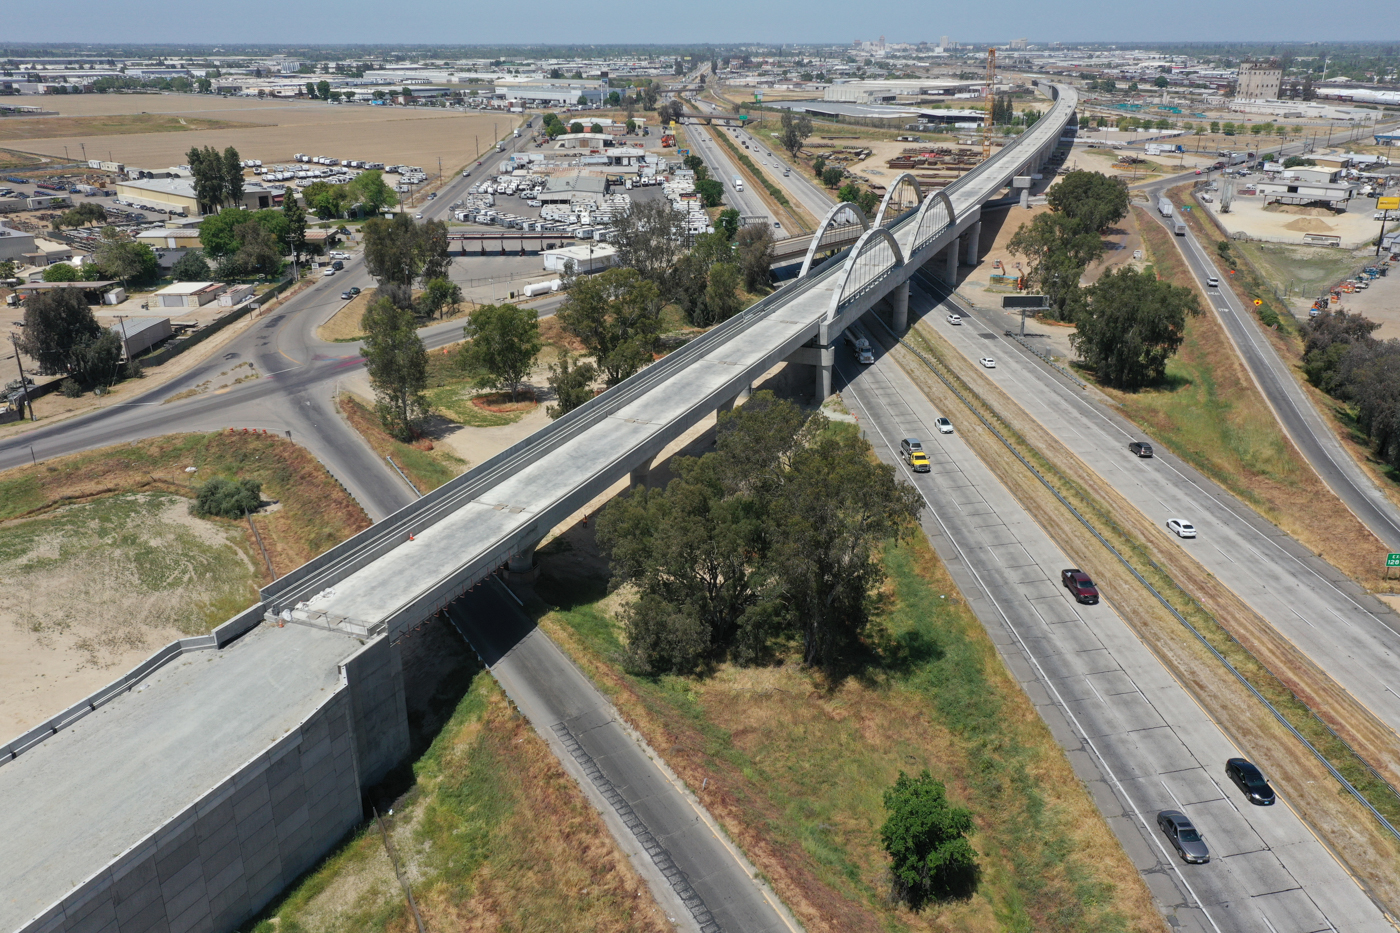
(1080,586)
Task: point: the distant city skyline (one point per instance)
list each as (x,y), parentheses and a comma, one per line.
(437,22)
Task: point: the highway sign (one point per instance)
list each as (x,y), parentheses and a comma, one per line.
(1388,204)
(1392,560)
(1029,302)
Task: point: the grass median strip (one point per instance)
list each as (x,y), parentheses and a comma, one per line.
(793,764)
(1343,822)
(796,215)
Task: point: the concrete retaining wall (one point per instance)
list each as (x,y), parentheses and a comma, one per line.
(226,856)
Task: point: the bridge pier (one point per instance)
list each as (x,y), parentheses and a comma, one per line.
(950,261)
(899,300)
(641,472)
(521,569)
(821,358)
(744,393)
(973,238)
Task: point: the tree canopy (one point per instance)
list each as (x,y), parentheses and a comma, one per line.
(397,365)
(925,837)
(775,533)
(1130,324)
(617,316)
(398,251)
(502,343)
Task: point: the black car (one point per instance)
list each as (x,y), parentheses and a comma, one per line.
(1250,780)
(1140,449)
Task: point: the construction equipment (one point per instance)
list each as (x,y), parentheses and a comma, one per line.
(991,101)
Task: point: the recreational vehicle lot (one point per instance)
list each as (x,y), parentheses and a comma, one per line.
(268,130)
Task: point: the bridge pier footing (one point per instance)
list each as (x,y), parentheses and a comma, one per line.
(899,299)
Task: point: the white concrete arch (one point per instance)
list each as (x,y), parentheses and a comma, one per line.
(904,179)
(843,209)
(875,253)
(924,223)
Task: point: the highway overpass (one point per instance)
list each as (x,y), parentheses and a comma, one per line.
(259,737)
(393,575)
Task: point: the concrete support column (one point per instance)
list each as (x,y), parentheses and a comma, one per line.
(823,386)
(899,299)
(522,562)
(973,240)
(728,405)
(520,569)
(950,262)
(641,472)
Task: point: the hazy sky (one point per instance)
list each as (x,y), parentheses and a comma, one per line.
(557,21)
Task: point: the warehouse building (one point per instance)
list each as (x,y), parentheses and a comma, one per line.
(561,189)
(176,195)
(188,294)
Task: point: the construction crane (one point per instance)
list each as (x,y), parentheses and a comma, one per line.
(991,102)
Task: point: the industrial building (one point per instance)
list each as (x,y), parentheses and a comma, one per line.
(176,195)
(15,244)
(139,334)
(560,189)
(584,258)
(895,91)
(1259,81)
(188,294)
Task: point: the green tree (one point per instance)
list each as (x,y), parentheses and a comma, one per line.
(191,267)
(795,130)
(1130,326)
(711,192)
(323,90)
(62,272)
(207,167)
(595,128)
(326,200)
(614,99)
(56,322)
(727,223)
(440,297)
(397,366)
(925,837)
(216,233)
(754,248)
(228,498)
(86,213)
(819,166)
(1215,126)
(1160,81)
(258,253)
(831,176)
(120,257)
(1058,250)
(370,189)
(722,292)
(571,383)
(616,314)
(393,249)
(232,178)
(433,250)
(1091,199)
(295,219)
(576,127)
(311,89)
(503,341)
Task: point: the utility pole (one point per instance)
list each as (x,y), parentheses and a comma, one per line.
(295,277)
(126,349)
(22,383)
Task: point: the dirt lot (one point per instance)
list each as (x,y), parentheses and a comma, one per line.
(272,131)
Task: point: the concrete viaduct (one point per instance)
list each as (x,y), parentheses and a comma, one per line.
(192,790)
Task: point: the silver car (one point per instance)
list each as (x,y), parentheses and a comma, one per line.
(1189,842)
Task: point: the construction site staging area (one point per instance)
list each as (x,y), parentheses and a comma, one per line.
(174,808)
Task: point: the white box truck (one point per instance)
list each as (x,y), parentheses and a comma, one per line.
(1164,207)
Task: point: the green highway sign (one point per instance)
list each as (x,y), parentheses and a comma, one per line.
(1392,560)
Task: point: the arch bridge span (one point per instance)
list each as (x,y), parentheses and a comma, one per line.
(395,574)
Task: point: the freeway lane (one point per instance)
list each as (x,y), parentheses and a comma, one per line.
(1352,637)
(722,167)
(1133,734)
(1304,424)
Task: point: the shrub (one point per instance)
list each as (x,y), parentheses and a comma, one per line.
(228,498)
(925,837)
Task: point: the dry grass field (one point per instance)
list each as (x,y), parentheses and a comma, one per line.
(112,125)
(272,131)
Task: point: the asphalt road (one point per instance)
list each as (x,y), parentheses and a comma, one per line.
(1300,419)
(747,202)
(1133,734)
(697,875)
(1353,637)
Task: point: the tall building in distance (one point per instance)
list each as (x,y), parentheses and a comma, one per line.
(1259,81)
(1019,43)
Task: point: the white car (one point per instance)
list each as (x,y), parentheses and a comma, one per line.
(944,426)
(328,272)
(955,319)
(1182,529)
(988,362)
